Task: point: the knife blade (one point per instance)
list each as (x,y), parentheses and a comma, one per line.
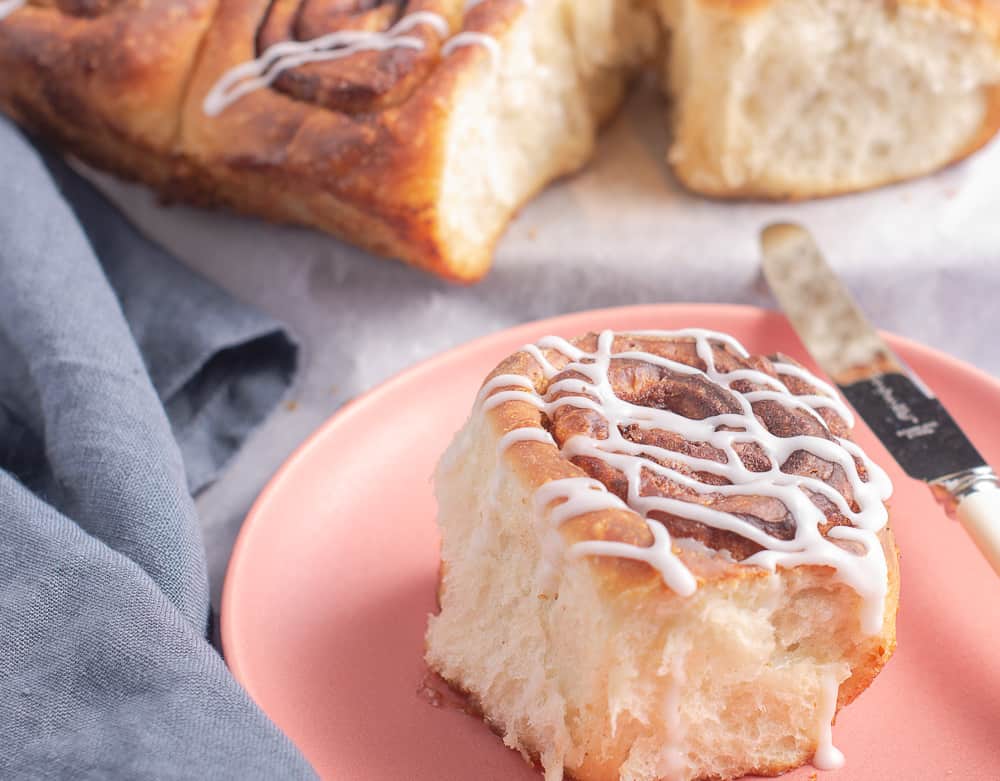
(900,409)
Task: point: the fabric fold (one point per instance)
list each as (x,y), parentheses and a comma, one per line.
(127,381)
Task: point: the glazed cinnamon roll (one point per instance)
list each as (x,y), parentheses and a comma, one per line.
(662,558)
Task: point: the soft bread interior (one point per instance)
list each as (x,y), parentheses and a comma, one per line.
(625,685)
(790,98)
(812,97)
(533,113)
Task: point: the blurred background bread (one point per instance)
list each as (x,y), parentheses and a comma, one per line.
(425,151)
(804,98)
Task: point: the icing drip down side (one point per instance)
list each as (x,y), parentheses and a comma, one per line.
(285,56)
(744,461)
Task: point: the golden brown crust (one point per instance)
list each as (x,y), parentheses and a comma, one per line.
(879,648)
(990,126)
(109,75)
(537,463)
(124,90)
(371,177)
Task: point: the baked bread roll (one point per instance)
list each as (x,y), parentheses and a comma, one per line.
(417,128)
(804,98)
(413,128)
(662,558)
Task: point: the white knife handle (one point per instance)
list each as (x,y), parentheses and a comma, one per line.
(979,513)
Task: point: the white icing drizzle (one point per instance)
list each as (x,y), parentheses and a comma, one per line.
(488,42)
(828,399)
(827,756)
(261,72)
(7,7)
(524,435)
(561,500)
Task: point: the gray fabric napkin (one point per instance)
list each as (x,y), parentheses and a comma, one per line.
(126,382)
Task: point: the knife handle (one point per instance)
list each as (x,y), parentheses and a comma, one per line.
(979,513)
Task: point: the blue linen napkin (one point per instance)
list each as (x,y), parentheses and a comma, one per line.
(126,382)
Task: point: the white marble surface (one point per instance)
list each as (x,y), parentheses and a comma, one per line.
(923,258)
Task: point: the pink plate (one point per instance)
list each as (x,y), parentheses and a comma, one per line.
(334,573)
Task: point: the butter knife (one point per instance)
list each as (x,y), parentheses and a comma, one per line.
(903,413)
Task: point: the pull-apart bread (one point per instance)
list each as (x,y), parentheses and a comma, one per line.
(662,559)
(416,128)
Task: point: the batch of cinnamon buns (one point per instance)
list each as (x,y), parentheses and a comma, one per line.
(663,558)
(417,128)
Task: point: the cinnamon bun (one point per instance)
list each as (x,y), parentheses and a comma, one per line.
(413,128)
(662,558)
